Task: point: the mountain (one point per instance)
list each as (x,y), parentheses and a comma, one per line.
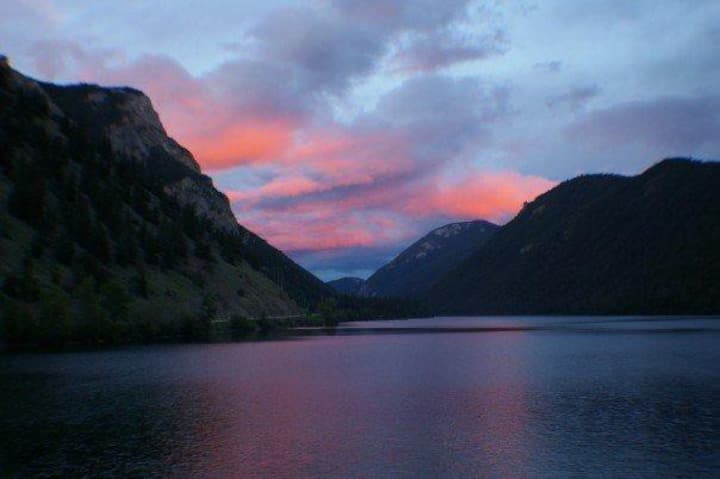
(415,269)
(601,244)
(347,285)
(109,225)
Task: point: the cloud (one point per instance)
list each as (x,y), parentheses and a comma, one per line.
(253,109)
(425,36)
(673,125)
(370,184)
(360,228)
(443,116)
(494,196)
(373,214)
(323,51)
(344,129)
(430,52)
(53,58)
(39,12)
(221,127)
(245,140)
(575,99)
(553,66)
(422,15)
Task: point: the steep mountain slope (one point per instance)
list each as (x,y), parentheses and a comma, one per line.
(100,209)
(601,244)
(125,117)
(414,270)
(347,285)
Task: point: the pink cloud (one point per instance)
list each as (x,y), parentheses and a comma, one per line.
(324,229)
(335,186)
(493,196)
(246,141)
(284,187)
(374,215)
(220,133)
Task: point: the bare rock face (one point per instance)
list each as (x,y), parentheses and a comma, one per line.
(136,133)
(125,118)
(138,130)
(199,192)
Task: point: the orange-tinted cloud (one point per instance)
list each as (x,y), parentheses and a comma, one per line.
(324,229)
(491,196)
(372,215)
(248,141)
(325,186)
(283,187)
(220,132)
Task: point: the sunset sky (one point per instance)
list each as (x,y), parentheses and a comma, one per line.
(342,130)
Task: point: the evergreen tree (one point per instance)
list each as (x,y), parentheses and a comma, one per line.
(28,198)
(115,299)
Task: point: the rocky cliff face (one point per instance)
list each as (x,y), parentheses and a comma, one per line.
(126,118)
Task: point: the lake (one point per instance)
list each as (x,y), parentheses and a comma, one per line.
(441,397)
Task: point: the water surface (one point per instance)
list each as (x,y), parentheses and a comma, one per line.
(443,397)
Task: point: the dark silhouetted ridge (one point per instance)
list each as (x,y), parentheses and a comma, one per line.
(603,244)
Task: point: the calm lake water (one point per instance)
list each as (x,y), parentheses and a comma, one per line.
(444,397)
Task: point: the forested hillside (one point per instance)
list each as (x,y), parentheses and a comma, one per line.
(110,232)
(601,244)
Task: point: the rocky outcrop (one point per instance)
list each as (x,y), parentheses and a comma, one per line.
(126,119)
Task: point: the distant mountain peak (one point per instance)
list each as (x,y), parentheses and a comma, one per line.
(453,229)
(346,285)
(416,268)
